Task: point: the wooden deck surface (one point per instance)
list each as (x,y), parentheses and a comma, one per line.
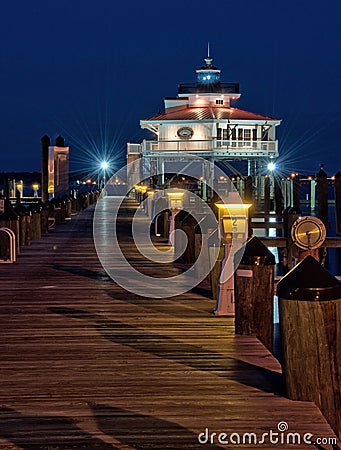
(87,365)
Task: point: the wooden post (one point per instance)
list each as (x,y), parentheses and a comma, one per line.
(35,222)
(278,202)
(216,269)
(290,253)
(254,292)
(45,143)
(322,196)
(185,221)
(44,218)
(248,190)
(310,323)
(337,190)
(296,193)
(312,195)
(278,196)
(267,200)
(24,225)
(188,226)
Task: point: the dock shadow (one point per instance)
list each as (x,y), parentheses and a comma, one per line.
(35,432)
(75,270)
(144,432)
(180,352)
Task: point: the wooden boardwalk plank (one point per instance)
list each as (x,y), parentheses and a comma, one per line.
(85,364)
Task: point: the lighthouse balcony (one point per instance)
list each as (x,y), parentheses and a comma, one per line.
(217,88)
(237,149)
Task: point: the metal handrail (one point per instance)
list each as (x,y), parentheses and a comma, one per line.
(12,245)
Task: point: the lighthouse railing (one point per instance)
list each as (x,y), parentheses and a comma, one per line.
(213,146)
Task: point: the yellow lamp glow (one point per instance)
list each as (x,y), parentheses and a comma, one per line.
(175,199)
(241,206)
(233,219)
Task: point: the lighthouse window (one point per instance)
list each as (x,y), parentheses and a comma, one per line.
(247,135)
(219,102)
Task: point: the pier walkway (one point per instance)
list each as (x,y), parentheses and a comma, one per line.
(86,365)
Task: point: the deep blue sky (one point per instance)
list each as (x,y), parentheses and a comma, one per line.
(89,70)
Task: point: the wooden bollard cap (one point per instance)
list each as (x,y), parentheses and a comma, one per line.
(255,254)
(309,281)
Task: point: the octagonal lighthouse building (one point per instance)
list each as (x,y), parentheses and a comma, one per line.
(200,121)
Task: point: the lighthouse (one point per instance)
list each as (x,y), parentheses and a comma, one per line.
(200,121)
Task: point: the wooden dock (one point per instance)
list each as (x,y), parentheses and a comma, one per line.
(87,365)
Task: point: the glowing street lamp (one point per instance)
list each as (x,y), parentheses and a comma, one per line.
(35,187)
(20,187)
(272,166)
(104,165)
(175,201)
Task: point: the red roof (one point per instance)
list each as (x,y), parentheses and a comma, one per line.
(209,113)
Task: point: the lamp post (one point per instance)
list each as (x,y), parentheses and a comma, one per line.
(175,199)
(19,190)
(35,187)
(233,227)
(104,167)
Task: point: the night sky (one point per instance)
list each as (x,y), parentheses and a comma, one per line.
(90,70)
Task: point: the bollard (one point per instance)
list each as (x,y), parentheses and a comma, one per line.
(203,231)
(186,222)
(24,224)
(254,292)
(35,221)
(337,190)
(44,217)
(310,323)
(57,211)
(322,196)
(290,215)
(216,253)
(68,207)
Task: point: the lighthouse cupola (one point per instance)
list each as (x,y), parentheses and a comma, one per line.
(208,74)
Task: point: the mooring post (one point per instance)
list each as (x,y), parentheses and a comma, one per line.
(337,192)
(278,202)
(312,195)
(254,292)
(322,196)
(35,221)
(45,143)
(296,192)
(267,202)
(24,224)
(310,324)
